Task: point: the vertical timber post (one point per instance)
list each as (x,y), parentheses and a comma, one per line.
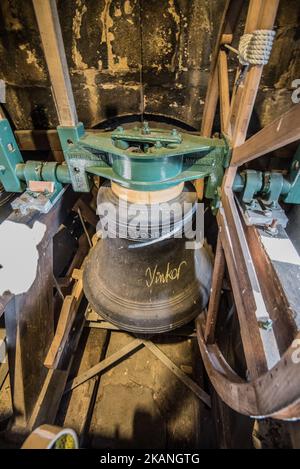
(48,22)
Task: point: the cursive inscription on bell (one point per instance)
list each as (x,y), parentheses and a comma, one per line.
(154,276)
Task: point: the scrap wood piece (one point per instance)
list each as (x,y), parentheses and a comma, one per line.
(81,401)
(104,364)
(48,402)
(66,319)
(87,212)
(98,323)
(77,274)
(184,378)
(92,316)
(102,325)
(3,373)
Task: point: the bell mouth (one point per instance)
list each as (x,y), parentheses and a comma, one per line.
(147,197)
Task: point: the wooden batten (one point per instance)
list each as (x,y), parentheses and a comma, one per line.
(146,197)
(51,36)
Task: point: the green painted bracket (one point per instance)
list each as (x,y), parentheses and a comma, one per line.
(10,156)
(141,159)
(145,160)
(270,185)
(293,194)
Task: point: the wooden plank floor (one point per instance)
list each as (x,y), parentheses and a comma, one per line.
(138,402)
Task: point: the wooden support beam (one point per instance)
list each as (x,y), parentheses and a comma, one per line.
(41,140)
(224,93)
(38,140)
(228,23)
(194,387)
(261,351)
(261,15)
(52,40)
(281,132)
(211,106)
(252,21)
(215,294)
(104,364)
(257,395)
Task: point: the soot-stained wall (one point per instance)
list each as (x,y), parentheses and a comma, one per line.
(126,56)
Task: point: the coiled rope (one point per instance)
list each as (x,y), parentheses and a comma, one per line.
(255,48)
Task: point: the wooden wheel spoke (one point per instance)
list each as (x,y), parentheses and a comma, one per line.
(281,132)
(259,342)
(213,307)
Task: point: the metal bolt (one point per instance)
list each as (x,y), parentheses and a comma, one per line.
(174,133)
(267,212)
(2,169)
(266,324)
(296,165)
(120,129)
(146,129)
(272,228)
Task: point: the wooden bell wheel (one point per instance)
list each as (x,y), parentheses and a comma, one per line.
(263,270)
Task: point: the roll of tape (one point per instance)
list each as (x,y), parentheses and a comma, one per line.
(51,437)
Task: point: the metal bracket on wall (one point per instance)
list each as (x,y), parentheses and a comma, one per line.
(39,201)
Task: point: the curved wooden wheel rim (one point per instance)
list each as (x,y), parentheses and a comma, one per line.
(259,397)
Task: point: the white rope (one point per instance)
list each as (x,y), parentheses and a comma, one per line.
(255,48)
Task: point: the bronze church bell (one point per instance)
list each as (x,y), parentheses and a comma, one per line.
(150,283)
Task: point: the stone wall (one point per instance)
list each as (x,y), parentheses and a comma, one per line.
(132,56)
